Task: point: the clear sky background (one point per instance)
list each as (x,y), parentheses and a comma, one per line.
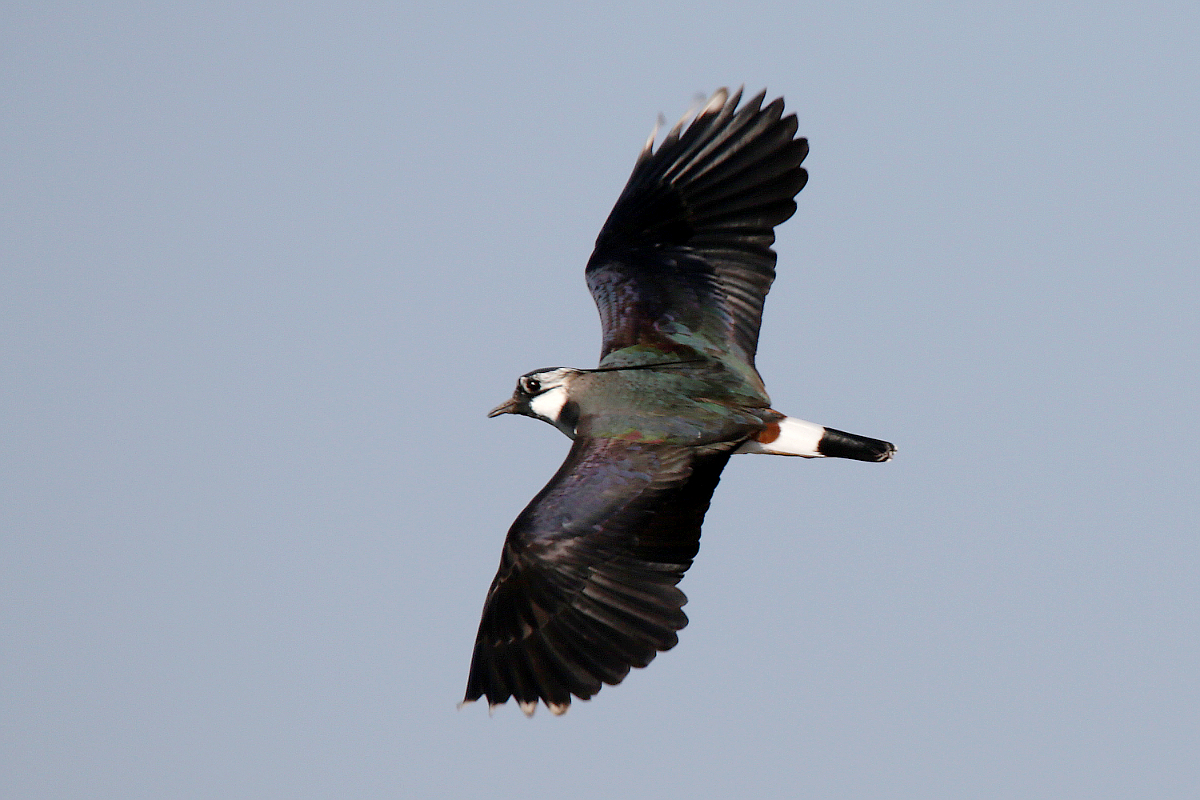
(265,267)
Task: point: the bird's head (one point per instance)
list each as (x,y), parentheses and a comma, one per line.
(544,394)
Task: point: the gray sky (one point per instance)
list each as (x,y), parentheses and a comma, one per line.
(265,269)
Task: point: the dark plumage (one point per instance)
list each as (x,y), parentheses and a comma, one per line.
(587,582)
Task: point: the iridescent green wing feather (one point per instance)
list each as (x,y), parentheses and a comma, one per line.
(684,262)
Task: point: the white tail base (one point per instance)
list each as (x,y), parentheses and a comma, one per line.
(788,437)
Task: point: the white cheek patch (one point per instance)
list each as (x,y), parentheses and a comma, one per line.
(549,404)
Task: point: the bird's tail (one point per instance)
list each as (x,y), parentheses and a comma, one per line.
(796,437)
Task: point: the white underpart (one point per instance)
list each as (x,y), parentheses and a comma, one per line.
(549,404)
(796,438)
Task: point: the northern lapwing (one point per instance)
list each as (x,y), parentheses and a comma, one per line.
(588,574)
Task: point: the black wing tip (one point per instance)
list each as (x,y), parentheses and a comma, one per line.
(718,165)
(719,105)
(574,662)
(559,623)
(612,626)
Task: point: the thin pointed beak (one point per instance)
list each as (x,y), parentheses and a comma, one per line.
(509,406)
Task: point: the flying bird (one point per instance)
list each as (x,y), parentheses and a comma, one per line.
(587,582)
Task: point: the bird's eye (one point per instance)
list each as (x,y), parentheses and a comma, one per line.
(531,385)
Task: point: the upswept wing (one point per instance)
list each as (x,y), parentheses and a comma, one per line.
(684,262)
(587,581)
